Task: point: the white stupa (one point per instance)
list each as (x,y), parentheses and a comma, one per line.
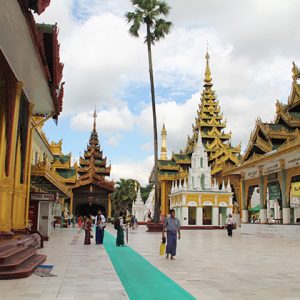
(149,205)
(199,173)
(138,207)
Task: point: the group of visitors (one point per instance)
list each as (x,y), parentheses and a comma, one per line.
(87,224)
(171,230)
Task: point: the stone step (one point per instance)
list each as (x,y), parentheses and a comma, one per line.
(17,259)
(25,269)
(8,251)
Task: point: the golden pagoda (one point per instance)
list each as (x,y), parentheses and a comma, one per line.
(217,144)
(211,124)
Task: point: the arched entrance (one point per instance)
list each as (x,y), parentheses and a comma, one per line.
(87,209)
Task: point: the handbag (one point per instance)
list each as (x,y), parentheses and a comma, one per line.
(162,248)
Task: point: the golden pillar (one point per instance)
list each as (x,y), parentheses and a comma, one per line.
(109,207)
(71,204)
(163,199)
(22,187)
(7,184)
(28,162)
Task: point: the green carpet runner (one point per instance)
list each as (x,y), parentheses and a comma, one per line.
(141,280)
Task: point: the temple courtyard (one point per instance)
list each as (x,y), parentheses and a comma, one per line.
(208,265)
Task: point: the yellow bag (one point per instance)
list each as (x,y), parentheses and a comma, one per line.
(162,248)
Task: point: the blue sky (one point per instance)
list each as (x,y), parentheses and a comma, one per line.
(250,63)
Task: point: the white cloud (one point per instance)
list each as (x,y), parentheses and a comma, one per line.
(139,170)
(252,45)
(110,120)
(114,140)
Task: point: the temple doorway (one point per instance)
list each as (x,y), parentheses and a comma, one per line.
(192,215)
(222,215)
(87,209)
(207,215)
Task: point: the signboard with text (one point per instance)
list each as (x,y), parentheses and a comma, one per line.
(271,168)
(42,197)
(293,160)
(251,173)
(295,189)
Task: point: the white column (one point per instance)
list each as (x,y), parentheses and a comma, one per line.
(185,216)
(245,218)
(263,216)
(215,215)
(286,215)
(199,216)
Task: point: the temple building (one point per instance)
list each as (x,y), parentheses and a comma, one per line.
(30,85)
(48,193)
(92,190)
(195,200)
(220,153)
(271,164)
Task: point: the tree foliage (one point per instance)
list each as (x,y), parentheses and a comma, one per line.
(123,196)
(145,191)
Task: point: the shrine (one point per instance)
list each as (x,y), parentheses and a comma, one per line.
(271,164)
(92,190)
(196,200)
(220,153)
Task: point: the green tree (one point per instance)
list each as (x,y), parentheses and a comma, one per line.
(151,13)
(123,196)
(145,191)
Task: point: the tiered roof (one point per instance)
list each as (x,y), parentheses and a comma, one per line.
(210,122)
(62,164)
(92,167)
(267,137)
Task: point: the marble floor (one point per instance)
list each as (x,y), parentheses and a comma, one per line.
(83,272)
(208,264)
(212,266)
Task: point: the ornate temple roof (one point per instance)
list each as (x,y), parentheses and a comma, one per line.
(267,137)
(92,168)
(210,122)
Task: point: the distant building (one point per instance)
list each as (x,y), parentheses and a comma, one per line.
(92,190)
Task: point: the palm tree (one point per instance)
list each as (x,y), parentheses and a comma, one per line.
(149,13)
(123,195)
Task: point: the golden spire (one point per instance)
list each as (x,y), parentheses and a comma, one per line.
(95,117)
(207,69)
(163,149)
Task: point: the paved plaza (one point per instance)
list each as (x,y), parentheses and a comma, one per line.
(209,265)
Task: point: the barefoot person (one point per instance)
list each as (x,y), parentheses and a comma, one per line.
(229,225)
(100,225)
(172,226)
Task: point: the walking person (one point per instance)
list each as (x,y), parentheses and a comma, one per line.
(172,226)
(87,229)
(100,225)
(118,225)
(229,225)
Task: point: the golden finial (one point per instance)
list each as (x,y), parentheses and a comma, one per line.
(207,69)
